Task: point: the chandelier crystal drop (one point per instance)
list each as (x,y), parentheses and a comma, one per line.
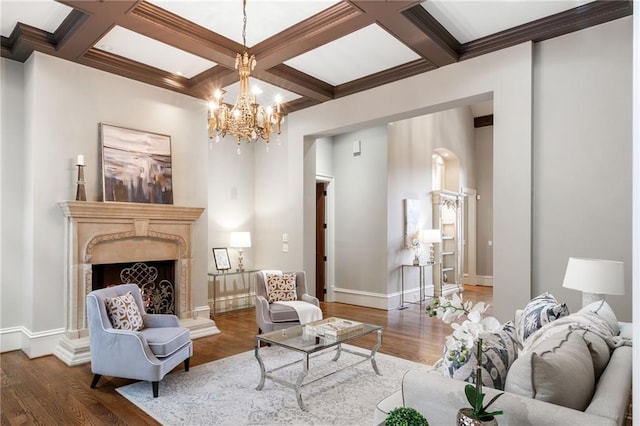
(246,120)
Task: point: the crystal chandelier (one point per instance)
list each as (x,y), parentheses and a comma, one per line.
(247,119)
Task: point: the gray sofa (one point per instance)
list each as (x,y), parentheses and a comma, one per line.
(438,397)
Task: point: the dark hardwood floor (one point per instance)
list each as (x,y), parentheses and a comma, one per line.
(44,391)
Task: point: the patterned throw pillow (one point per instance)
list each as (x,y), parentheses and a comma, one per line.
(539,311)
(281,287)
(123,312)
(500,350)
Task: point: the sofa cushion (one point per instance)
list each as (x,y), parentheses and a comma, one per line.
(164,341)
(123,312)
(500,350)
(539,311)
(603,311)
(599,350)
(281,287)
(559,370)
(282,313)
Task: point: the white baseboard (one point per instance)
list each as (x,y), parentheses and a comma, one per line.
(34,345)
(386,302)
(11,339)
(485,280)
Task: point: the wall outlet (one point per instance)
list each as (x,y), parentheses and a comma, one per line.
(285,248)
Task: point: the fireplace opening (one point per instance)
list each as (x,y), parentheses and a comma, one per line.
(155,279)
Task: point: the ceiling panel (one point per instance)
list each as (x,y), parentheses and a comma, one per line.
(356,55)
(44,14)
(317,50)
(469,20)
(264,18)
(131,45)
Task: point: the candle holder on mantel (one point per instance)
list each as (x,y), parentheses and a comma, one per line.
(81,195)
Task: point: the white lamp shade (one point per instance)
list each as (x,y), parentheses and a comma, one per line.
(596,276)
(240,239)
(431,236)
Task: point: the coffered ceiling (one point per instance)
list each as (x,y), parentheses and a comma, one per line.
(307,51)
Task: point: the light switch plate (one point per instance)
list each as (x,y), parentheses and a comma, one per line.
(285,248)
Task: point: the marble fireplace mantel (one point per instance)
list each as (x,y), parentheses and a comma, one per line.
(113,232)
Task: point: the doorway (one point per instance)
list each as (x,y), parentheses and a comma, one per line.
(321,228)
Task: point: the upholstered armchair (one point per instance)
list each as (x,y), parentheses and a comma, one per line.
(283,303)
(127,342)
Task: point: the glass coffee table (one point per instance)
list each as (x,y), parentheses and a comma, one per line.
(299,339)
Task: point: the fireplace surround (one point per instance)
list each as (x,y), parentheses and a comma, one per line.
(113,232)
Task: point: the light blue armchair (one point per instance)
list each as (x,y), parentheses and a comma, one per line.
(276,316)
(148,354)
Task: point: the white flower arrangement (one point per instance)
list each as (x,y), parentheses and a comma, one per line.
(416,245)
(462,341)
(465,335)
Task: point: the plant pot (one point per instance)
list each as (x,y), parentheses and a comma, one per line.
(465,418)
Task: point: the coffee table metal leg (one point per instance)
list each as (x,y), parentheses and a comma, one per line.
(338,352)
(262,369)
(374,350)
(301,376)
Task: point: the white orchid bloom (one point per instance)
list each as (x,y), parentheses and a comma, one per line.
(484,325)
(479,307)
(453,344)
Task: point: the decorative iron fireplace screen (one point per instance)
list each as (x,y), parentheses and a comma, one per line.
(153,278)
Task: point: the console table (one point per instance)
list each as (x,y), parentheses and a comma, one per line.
(422,284)
(247,290)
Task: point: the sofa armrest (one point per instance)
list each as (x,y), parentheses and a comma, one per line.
(613,390)
(262,311)
(439,398)
(313,300)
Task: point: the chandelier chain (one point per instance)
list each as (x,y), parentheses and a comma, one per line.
(244,24)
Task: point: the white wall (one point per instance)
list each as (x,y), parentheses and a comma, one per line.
(484,206)
(324,157)
(635,285)
(11,193)
(506,74)
(360,189)
(231,193)
(64,102)
(582,156)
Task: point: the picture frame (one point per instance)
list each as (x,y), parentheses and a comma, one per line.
(136,165)
(221,257)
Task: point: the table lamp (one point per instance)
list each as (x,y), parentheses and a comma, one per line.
(431,236)
(240,240)
(594,277)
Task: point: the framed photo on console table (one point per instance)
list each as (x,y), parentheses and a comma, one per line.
(221,257)
(136,166)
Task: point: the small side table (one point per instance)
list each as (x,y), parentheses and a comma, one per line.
(422,284)
(241,274)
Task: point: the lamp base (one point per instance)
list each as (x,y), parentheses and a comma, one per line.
(240,264)
(589,298)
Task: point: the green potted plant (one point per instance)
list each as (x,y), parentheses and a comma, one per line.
(405,416)
(477,414)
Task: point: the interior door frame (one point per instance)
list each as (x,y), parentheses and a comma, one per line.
(329,242)
(470,235)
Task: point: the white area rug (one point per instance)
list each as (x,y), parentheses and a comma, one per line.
(223,392)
